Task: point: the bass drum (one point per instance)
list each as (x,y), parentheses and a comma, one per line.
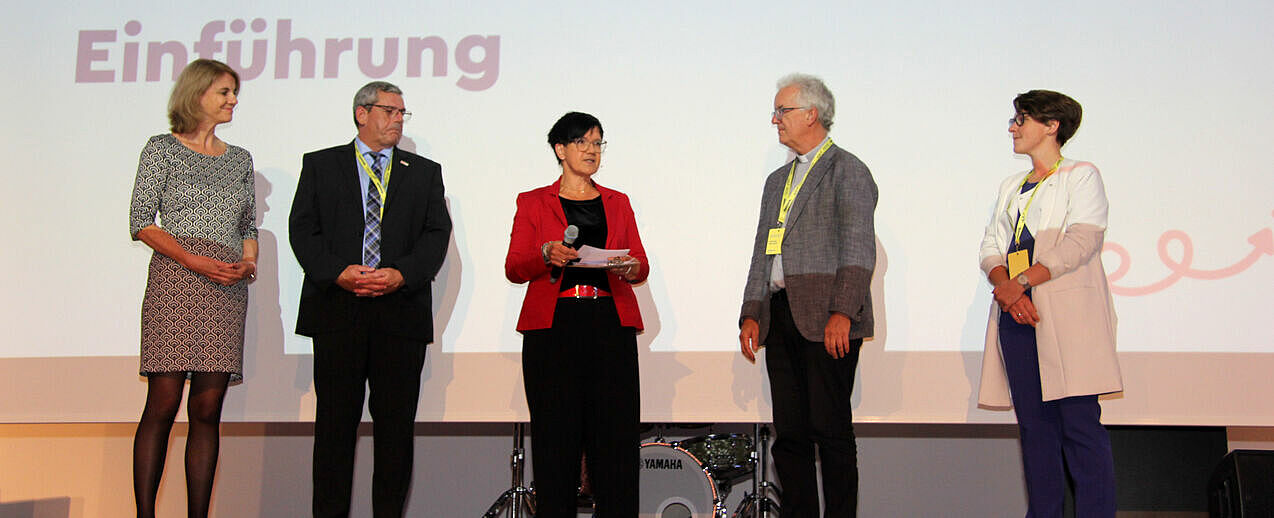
(674,484)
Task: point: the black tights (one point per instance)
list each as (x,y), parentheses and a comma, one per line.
(150,445)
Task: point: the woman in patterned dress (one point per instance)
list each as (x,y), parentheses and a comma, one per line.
(196,298)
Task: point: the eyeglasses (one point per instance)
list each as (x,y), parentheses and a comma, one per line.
(779,112)
(391,110)
(585,145)
(1019,119)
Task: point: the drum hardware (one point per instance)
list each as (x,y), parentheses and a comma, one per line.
(674,481)
(515,500)
(519,501)
(757,503)
(583,501)
(659,430)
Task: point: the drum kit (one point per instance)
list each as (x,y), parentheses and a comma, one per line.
(690,478)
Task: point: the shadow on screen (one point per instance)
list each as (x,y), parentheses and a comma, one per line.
(886,386)
(439,367)
(264,358)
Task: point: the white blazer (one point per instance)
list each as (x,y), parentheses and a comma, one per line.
(1076,332)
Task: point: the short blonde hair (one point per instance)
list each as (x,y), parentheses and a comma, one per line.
(184,112)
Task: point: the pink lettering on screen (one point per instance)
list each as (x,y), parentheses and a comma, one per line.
(1262,244)
(252,49)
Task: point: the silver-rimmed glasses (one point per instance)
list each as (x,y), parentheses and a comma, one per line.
(585,145)
(779,112)
(391,110)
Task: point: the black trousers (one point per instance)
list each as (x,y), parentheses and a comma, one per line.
(345,363)
(582,389)
(811,393)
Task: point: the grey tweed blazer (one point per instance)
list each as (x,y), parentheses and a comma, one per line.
(829,248)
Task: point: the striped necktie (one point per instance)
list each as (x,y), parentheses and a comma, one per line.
(371,216)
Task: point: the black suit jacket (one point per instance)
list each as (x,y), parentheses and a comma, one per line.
(326,231)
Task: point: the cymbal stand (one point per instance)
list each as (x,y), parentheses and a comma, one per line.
(757,503)
(515,500)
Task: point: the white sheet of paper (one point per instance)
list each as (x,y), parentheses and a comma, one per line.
(592,257)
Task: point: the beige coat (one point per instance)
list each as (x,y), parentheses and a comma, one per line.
(1076,332)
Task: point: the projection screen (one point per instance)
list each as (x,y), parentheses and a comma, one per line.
(1175,96)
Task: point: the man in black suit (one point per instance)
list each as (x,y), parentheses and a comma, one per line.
(370,228)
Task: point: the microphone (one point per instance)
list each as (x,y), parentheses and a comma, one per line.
(570,235)
(568,239)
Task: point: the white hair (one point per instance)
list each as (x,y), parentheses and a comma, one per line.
(811,92)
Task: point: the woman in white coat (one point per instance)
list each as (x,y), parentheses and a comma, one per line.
(1050,341)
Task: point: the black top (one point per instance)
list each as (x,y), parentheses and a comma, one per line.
(590,217)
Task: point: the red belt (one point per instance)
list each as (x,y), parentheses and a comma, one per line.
(583,291)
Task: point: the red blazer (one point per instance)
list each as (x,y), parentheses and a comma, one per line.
(540,219)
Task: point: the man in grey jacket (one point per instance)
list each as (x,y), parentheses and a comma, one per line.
(808,299)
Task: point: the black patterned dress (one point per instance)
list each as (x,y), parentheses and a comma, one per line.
(190,323)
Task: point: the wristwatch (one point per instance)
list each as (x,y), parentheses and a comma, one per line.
(1023,280)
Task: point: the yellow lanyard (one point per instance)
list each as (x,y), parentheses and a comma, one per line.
(1021,215)
(380,186)
(789,194)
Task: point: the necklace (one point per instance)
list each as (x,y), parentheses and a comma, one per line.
(563,189)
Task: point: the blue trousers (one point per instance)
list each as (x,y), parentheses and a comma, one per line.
(1058,436)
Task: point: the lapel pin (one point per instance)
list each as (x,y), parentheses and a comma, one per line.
(403,162)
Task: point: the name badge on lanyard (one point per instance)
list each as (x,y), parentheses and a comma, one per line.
(1020,260)
(380,185)
(774,241)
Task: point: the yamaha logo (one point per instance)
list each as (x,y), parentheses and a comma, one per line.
(661,463)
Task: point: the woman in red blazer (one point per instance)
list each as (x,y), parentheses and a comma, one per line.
(579,325)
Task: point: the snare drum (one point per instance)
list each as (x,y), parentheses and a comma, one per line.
(674,484)
(728,457)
